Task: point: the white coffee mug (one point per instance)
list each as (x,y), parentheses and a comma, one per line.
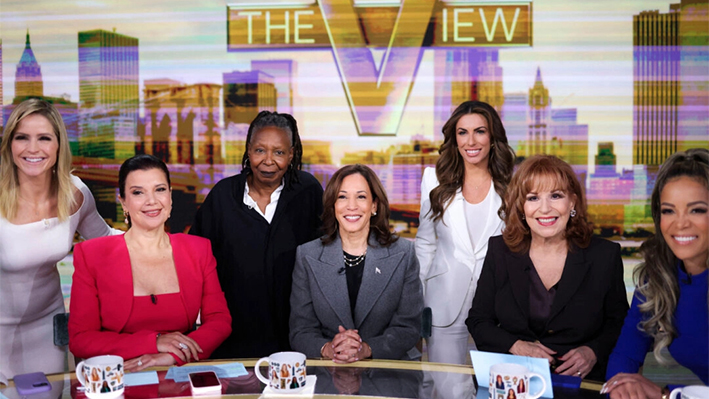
(691,392)
(286,371)
(511,381)
(101,376)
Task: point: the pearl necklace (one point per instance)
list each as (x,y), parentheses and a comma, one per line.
(355,261)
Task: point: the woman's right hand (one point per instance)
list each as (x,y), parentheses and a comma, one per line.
(532,349)
(150,360)
(179,345)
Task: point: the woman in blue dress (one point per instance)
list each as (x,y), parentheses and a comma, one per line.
(669,307)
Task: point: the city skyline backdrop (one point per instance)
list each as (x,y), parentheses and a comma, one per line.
(129,89)
(585,52)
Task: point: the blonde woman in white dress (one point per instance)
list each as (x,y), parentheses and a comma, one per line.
(41,207)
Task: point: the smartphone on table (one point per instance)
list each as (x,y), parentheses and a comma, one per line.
(205,383)
(27,384)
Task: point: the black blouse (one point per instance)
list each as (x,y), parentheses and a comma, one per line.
(540,300)
(354,280)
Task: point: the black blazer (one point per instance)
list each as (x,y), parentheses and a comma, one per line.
(588,309)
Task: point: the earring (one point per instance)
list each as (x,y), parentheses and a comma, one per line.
(573,212)
(521,215)
(126,217)
(374,213)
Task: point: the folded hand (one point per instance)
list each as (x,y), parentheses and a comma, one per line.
(578,362)
(179,345)
(150,360)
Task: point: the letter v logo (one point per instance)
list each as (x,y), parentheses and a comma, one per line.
(377,96)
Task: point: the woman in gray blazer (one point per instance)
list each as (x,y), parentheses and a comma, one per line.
(356,291)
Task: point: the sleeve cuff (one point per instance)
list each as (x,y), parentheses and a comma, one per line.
(178,361)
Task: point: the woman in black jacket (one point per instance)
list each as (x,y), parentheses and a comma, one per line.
(548,288)
(255,220)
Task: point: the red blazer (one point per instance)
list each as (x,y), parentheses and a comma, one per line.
(102,298)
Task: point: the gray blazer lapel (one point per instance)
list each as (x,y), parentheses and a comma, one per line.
(332,282)
(379,267)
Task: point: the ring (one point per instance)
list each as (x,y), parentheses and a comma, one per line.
(140,362)
(182,345)
(578,373)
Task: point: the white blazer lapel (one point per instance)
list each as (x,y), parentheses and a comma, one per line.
(493,225)
(455,217)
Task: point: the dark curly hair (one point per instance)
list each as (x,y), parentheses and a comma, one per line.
(285,122)
(533,172)
(450,167)
(378,224)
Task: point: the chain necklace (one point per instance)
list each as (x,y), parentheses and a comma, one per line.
(354,260)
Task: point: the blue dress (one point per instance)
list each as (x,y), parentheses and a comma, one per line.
(691,346)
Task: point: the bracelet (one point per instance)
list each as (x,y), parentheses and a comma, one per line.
(666,392)
(322,350)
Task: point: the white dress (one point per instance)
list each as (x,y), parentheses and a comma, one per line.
(30,292)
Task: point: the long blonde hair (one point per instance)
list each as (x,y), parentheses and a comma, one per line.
(61,184)
(656,278)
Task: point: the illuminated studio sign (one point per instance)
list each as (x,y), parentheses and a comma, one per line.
(377,92)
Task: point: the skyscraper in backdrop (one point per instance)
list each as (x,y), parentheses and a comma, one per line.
(28,75)
(108,94)
(464,75)
(671,84)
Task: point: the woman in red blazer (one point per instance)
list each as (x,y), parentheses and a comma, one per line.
(139,295)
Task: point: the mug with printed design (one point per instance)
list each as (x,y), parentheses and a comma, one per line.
(511,381)
(286,371)
(101,376)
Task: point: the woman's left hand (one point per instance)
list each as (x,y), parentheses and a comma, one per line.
(626,386)
(578,362)
(150,360)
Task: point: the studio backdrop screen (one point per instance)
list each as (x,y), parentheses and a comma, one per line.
(611,87)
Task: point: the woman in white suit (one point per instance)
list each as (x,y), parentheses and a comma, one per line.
(461,204)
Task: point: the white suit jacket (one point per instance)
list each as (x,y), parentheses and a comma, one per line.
(448,261)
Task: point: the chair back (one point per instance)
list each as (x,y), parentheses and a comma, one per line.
(61,329)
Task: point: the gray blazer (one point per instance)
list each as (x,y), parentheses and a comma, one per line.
(389,303)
